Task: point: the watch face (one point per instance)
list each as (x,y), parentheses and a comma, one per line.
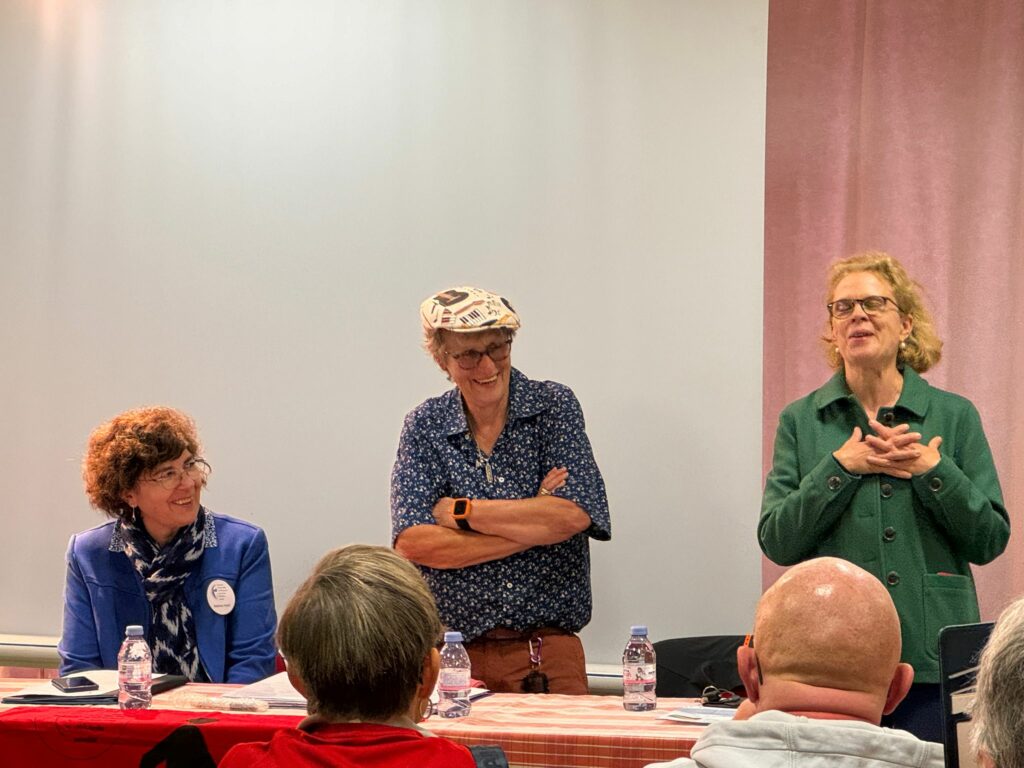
(461,508)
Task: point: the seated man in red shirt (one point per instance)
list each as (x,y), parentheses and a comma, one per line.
(359,637)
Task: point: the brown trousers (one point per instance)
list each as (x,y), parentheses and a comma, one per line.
(501,659)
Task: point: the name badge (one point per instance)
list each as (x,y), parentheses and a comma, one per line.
(220,596)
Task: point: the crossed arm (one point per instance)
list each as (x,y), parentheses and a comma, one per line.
(501,527)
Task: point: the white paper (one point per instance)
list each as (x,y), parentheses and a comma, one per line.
(106,679)
(276,690)
(699,715)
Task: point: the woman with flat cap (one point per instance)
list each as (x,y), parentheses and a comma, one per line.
(495,494)
(882,469)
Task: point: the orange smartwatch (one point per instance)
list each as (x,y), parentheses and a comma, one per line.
(461,512)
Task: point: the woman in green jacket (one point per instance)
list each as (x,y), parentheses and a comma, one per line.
(884,470)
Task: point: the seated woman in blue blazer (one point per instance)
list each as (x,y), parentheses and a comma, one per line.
(199,582)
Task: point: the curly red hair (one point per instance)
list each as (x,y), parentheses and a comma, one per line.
(133,442)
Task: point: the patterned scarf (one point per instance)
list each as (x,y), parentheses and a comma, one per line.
(163,572)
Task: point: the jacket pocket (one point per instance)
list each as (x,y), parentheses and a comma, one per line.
(948,599)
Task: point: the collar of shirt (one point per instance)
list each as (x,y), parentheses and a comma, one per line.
(524,400)
(913,399)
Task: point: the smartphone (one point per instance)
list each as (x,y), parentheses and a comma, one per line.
(74,684)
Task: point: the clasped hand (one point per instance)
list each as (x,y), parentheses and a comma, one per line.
(894,451)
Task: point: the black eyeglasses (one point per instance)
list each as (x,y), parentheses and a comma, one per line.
(871,305)
(471,358)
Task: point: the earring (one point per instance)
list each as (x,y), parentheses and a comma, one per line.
(903,346)
(425,710)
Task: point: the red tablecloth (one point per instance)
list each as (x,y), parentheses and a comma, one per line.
(39,737)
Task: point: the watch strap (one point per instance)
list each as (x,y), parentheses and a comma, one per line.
(462,518)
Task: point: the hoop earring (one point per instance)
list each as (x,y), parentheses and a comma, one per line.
(425,710)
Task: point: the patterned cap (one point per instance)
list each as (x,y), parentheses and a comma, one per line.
(465,309)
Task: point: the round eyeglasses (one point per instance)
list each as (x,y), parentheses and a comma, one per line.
(171,478)
(872,305)
(471,358)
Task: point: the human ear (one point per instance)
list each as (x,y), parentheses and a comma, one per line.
(431,669)
(297,683)
(902,677)
(746,664)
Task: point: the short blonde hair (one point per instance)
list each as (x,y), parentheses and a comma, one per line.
(131,443)
(923,348)
(358,631)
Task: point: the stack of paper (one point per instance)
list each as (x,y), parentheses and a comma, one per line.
(105,693)
(699,715)
(276,690)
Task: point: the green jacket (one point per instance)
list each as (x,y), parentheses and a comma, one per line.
(918,536)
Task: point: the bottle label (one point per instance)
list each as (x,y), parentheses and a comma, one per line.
(136,670)
(639,673)
(453,679)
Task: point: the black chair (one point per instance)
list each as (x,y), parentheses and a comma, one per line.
(687,665)
(960,647)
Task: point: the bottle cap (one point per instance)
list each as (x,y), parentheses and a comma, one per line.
(638,629)
(453,637)
(133,630)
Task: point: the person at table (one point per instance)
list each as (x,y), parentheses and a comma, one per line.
(360,639)
(883,469)
(495,494)
(997,716)
(199,582)
(824,666)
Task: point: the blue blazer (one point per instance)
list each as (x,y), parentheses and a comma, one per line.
(103,594)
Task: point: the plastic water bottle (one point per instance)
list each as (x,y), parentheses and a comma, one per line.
(639,672)
(453,685)
(134,670)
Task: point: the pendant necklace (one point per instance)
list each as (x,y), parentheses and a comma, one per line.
(482,459)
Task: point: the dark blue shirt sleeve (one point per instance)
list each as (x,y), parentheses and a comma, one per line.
(417,480)
(567,445)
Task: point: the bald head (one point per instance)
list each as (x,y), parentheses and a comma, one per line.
(830,624)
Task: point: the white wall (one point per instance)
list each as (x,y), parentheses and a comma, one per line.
(236,208)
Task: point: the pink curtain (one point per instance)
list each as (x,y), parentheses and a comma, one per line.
(898,126)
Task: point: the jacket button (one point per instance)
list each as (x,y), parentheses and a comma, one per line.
(835,483)
(935,484)
(892,578)
(886,490)
(889,534)
(889,418)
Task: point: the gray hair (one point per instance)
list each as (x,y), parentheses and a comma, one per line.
(357,633)
(997,714)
